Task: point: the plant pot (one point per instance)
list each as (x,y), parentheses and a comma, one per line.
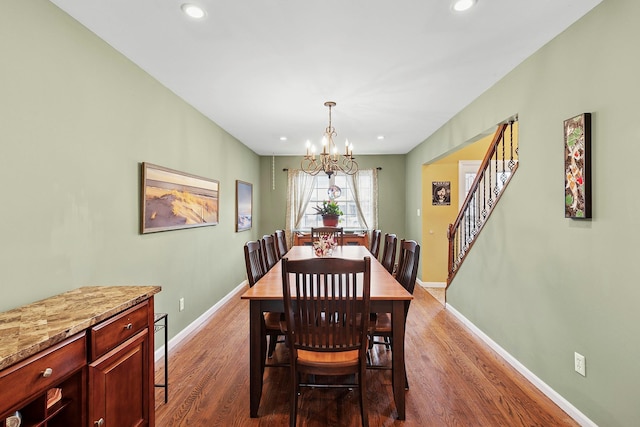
(330,220)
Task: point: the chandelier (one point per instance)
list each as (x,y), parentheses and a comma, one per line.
(329,160)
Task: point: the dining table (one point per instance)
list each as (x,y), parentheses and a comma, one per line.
(387,296)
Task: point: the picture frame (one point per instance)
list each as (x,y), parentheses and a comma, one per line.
(173,200)
(441,193)
(577,167)
(244,205)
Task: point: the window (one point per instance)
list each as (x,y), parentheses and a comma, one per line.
(357,200)
(467,171)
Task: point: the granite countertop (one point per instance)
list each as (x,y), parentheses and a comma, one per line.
(29,329)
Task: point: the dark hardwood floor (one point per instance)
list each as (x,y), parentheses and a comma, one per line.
(455,380)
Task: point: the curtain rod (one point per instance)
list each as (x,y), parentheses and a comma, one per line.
(287,169)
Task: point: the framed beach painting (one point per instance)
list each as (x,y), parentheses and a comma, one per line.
(173,200)
(244,205)
(577,167)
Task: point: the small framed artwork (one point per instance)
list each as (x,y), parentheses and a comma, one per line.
(441,193)
(172,200)
(244,205)
(577,167)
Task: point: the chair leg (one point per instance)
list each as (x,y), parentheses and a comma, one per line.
(364,407)
(406,379)
(293,411)
(273,339)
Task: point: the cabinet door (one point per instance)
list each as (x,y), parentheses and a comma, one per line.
(118,385)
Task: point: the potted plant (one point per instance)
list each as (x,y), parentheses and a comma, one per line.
(330,212)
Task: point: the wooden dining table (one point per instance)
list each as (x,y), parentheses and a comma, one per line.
(387,296)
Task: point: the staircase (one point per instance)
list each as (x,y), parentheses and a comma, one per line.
(496,170)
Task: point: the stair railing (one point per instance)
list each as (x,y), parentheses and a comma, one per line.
(495,172)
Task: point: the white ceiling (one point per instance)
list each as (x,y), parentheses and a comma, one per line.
(262,69)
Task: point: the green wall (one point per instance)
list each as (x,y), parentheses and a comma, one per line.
(391,212)
(542,286)
(76,119)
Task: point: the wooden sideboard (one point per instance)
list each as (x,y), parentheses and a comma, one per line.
(362,239)
(68,360)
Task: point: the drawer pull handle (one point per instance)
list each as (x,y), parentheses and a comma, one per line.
(99,423)
(128,326)
(47,373)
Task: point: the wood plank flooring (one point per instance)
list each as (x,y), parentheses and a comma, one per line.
(455,380)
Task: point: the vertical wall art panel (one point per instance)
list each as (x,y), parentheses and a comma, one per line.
(244,205)
(577,166)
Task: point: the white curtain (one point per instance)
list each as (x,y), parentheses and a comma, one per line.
(300,186)
(355,193)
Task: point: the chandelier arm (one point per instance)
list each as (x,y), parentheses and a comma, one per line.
(310,166)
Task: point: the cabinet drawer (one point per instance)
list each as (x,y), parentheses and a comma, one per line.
(32,376)
(112,332)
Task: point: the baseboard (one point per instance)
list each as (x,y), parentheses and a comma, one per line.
(563,403)
(159,353)
(432,284)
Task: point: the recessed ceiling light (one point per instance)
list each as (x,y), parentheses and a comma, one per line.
(381,137)
(283,138)
(193,11)
(462,5)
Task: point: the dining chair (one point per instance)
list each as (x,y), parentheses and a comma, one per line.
(374,248)
(327,314)
(269,250)
(281,243)
(389,252)
(256,268)
(406,275)
(336,232)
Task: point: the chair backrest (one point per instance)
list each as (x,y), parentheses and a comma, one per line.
(269,251)
(254,261)
(374,248)
(408,261)
(281,242)
(389,252)
(329,308)
(336,232)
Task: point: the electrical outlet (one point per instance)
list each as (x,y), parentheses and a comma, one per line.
(181,304)
(580,364)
